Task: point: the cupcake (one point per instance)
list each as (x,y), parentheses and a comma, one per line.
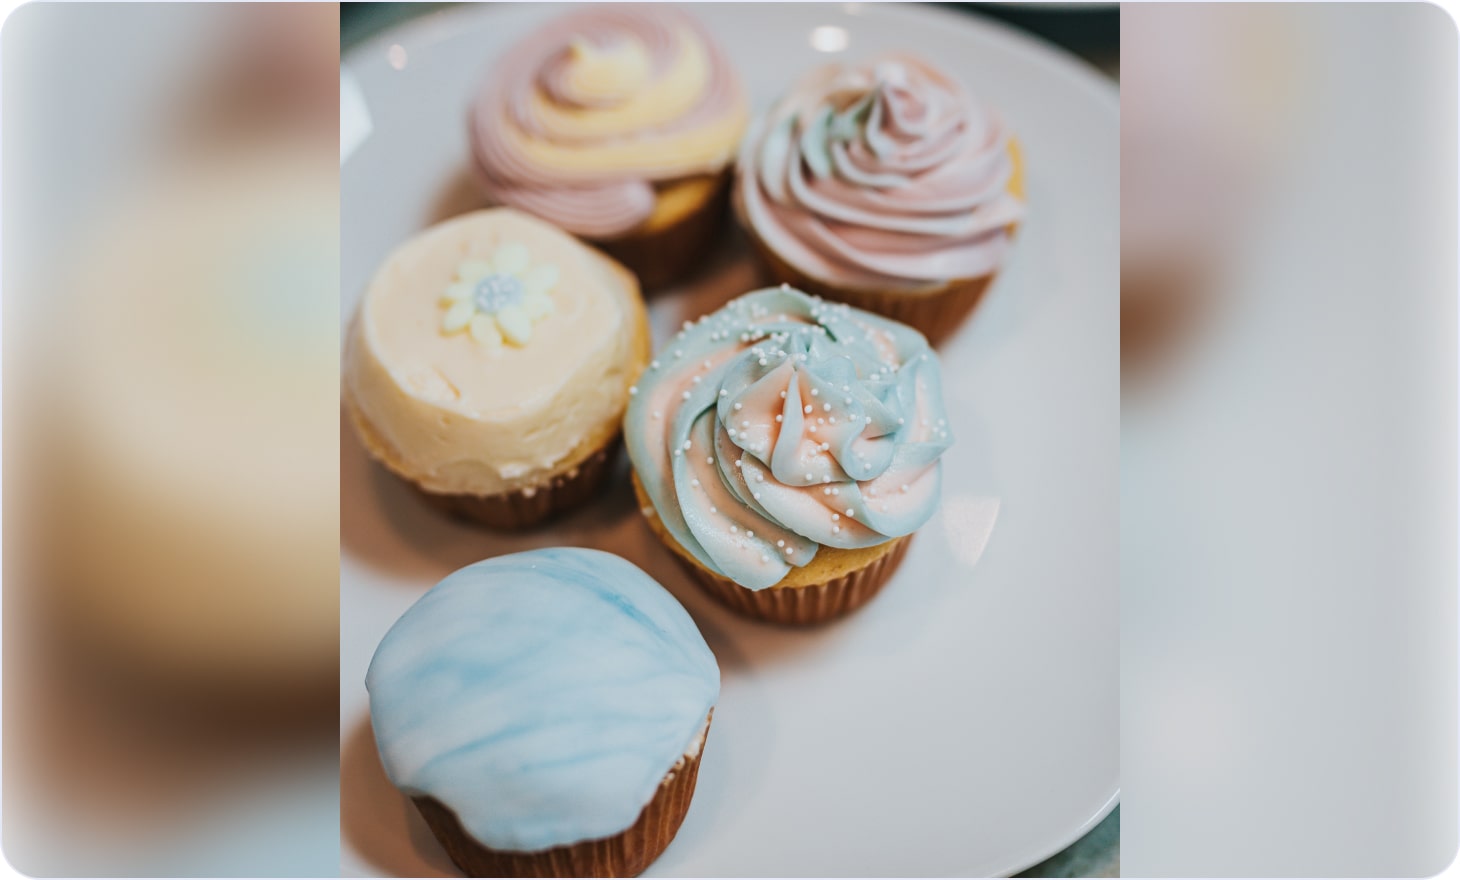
(883,186)
(546,712)
(786,449)
(618,124)
(489,365)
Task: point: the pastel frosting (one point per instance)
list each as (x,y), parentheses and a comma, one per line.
(578,122)
(882,174)
(541,696)
(490,351)
(782,424)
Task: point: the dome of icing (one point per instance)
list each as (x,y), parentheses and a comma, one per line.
(541,696)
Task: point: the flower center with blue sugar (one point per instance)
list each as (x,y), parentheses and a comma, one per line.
(497,292)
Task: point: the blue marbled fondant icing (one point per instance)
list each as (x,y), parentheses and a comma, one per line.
(542,696)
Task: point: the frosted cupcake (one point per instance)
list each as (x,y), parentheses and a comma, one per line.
(884,186)
(489,365)
(786,449)
(618,124)
(546,711)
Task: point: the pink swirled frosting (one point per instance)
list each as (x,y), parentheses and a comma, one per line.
(878,174)
(579,121)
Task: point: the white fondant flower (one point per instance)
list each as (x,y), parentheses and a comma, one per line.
(499,300)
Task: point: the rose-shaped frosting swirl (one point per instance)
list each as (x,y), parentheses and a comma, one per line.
(882,173)
(582,117)
(781,424)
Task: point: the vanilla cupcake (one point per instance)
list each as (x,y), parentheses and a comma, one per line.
(618,124)
(547,713)
(786,449)
(884,186)
(489,365)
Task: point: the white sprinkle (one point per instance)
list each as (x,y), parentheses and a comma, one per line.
(685,395)
(810,476)
(869,420)
(835,529)
(764,558)
(755,495)
(904,487)
(654,365)
(825,447)
(826,491)
(790,550)
(826,478)
(833,420)
(723,392)
(707,365)
(633,389)
(679,452)
(760,478)
(763,362)
(781,543)
(851,513)
(709,459)
(738,407)
(737,462)
(686,446)
(826,407)
(679,352)
(714,509)
(658,414)
(780,418)
(811,428)
(695,483)
(783,395)
(899,421)
(695,380)
(749,533)
(836,491)
(808,409)
(835,517)
(815,393)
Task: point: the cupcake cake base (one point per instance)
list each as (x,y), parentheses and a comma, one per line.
(533,505)
(935,311)
(836,583)
(680,234)
(625,854)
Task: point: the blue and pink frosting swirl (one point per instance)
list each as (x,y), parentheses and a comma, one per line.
(887,173)
(782,424)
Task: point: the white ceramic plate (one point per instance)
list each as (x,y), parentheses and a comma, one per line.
(966,722)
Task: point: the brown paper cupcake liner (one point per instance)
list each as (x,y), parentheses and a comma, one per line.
(532,505)
(666,255)
(935,311)
(625,854)
(808,605)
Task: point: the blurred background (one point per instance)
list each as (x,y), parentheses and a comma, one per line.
(170,439)
(1288,441)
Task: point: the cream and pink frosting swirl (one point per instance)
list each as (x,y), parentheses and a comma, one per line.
(883,173)
(579,121)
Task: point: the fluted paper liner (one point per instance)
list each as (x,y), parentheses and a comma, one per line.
(667,255)
(533,505)
(934,311)
(808,605)
(625,854)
